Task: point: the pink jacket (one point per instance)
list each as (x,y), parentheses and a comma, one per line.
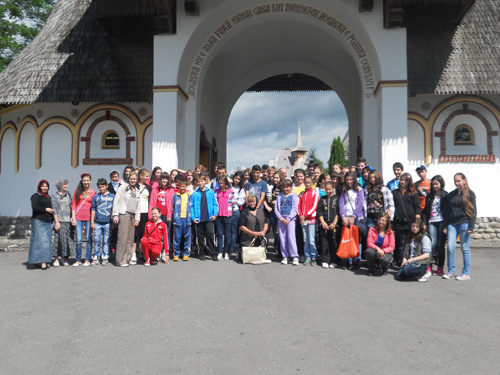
(84,206)
(387,246)
(225,200)
(164,203)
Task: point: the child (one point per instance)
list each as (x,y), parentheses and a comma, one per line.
(225,198)
(298,189)
(380,243)
(182,220)
(418,253)
(155,238)
(256,186)
(286,210)
(100,221)
(155,178)
(360,165)
(308,203)
(328,214)
(204,211)
(397,168)
(423,185)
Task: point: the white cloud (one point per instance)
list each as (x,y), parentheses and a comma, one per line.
(263,123)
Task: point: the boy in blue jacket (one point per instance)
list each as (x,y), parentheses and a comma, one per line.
(100,221)
(181,219)
(204,211)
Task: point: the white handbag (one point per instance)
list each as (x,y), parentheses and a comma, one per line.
(254,254)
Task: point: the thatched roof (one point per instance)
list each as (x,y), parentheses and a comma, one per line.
(74,59)
(461,58)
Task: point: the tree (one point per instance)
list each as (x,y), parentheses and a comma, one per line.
(312,156)
(20,22)
(337,154)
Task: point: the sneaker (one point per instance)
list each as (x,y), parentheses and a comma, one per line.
(86,264)
(284,261)
(176,258)
(132,262)
(438,272)
(185,258)
(333,265)
(147,263)
(369,273)
(426,276)
(133,258)
(448,276)
(104,262)
(307,262)
(462,277)
(56,263)
(314,263)
(124,265)
(226,257)
(295,261)
(385,271)
(215,258)
(95,262)
(324,265)
(302,259)
(202,257)
(77,264)
(219,256)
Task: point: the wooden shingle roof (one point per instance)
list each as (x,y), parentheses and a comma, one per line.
(461,58)
(74,59)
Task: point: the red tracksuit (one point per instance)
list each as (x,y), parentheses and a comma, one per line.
(155,237)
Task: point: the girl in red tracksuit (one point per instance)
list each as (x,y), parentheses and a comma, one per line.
(308,204)
(155,237)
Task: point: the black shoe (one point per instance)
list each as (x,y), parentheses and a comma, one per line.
(214,258)
(355,267)
(369,273)
(302,259)
(202,257)
(385,271)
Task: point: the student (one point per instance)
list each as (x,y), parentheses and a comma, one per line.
(378,198)
(311,166)
(144,207)
(320,185)
(423,185)
(204,211)
(337,168)
(360,165)
(100,221)
(286,210)
(238,204)
(406,209)
(351,206)
(364,176)
(126,173)
(278,179)
(308,204)
(155,177)
(191,183)
(155,238)
(126,215)
(380,244)
(63,245)
(246,176)
(182,221)
(161,197)
(265,172)
(418,253)
(114,183)
(434,214)
(80,217)
(328,215)
(256,186)
(225,198)
(459,221)
(220,171)
(298,189)
(397,168)
(315,176)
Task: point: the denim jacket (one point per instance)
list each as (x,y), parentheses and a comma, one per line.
(177,200)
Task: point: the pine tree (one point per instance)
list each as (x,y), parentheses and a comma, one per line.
(337,154)
(312,156)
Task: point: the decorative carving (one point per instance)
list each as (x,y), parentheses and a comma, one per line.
(75,112)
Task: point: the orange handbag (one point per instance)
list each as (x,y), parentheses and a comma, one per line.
(349,243)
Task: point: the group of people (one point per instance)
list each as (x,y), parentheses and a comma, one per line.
(141,216)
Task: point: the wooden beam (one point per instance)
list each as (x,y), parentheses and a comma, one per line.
(166,17)
(365,5)
(191,7)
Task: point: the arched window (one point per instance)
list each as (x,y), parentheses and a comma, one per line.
(111,140)
(464,135)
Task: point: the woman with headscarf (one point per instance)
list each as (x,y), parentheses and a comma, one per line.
(63,246)
(41,227)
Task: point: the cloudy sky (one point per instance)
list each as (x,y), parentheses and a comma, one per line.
(263,123)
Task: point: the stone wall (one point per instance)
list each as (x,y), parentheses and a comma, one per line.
(487,228)
(15,227)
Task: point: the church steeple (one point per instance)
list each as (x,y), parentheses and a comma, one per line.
(299,147)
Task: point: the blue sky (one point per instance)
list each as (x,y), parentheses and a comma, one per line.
(263,123)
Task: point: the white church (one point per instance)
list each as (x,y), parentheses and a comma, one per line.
(114,82)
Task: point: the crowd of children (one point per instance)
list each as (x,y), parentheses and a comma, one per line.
(144,217)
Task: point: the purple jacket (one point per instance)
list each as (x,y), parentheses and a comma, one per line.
(359,213)
(295,207)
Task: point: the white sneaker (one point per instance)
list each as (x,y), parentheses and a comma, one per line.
(324,265)
(284,261)
(426,276)
(226,257)
(124,265)
(295,261)
(333,265)
(77,264)
(463,277)
(104,262)
(448,276)
(219,256)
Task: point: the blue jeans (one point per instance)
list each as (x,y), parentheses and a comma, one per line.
(182,231)
(453,232)
(438,240)
(79,240)
(413,269)
(309,231)
(223,224)
(234,229)
(101,231)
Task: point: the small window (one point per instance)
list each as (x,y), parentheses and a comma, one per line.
(464,135)
(111,140)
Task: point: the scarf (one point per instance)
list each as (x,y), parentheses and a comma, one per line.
(39,191)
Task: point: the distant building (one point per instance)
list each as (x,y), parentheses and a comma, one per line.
(291,159)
